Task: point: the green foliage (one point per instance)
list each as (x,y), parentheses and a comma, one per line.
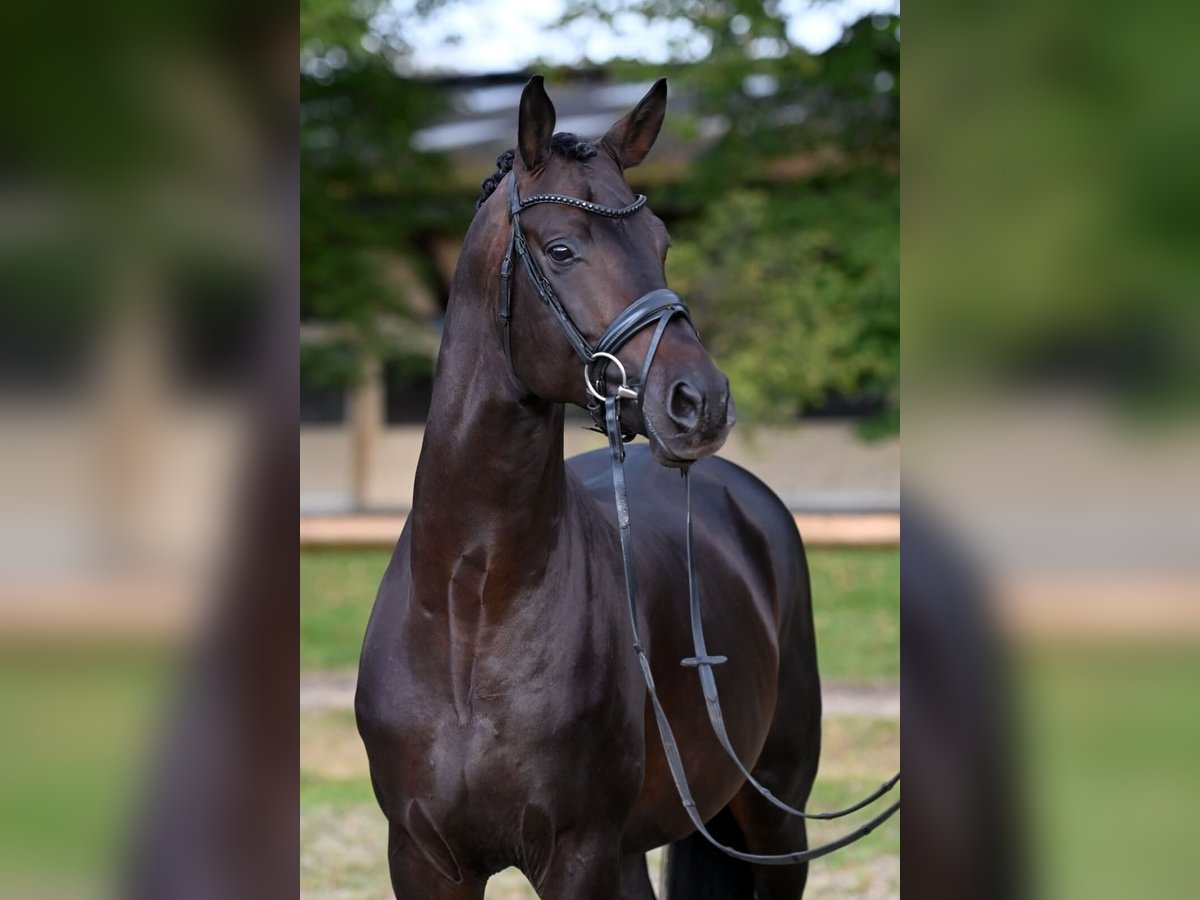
(365,196)
(333,23)
(332,365)
(775,98)
(797,291)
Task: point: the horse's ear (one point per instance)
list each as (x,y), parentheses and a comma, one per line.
(535,125)
(631,138)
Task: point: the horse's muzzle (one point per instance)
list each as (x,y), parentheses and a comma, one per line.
(692,420)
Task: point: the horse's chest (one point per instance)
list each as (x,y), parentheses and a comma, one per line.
(525,729)
(496,787)
(531,728)
(524,735)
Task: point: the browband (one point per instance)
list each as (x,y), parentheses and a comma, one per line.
(588,205)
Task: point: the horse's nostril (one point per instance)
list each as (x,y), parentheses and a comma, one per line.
(685,405)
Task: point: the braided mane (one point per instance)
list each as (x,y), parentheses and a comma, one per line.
(565,144)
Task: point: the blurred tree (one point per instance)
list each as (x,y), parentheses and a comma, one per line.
(335,23)
(366,194)
(796,292)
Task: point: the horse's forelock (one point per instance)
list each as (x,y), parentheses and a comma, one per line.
(565,144)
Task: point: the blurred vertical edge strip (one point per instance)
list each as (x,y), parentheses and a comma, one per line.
(221,817)
(222,810)
(149,334)
(1051,358)
(222,814)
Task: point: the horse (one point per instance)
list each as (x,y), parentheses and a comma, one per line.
(504,715)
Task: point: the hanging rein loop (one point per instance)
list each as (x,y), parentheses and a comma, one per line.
(657,307)
(702,661)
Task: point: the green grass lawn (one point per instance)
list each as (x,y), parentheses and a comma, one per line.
(1121,716)
(337,588)
(79,722)
(855,597)
(856,606)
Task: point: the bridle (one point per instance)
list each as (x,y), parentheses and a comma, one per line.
(658,306)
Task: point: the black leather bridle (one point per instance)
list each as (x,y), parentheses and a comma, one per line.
(658,306)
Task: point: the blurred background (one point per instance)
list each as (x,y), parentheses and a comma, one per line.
(777,174)
(148,233)
(1050,325)
(152,332)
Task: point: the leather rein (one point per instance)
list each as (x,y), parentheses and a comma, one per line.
(656,307)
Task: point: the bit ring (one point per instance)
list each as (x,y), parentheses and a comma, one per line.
(624,391)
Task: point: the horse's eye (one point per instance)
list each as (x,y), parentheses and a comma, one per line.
(560,253)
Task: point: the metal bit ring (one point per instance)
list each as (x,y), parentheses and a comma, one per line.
(624,391)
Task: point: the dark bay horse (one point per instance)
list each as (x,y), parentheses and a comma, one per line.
(501,705)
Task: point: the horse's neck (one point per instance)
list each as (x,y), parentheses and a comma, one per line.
(490,486)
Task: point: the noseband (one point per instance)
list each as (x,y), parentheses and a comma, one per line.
(657,306)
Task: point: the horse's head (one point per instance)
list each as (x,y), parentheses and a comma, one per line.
(600,260)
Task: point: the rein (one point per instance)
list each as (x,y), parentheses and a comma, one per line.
(656,307)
